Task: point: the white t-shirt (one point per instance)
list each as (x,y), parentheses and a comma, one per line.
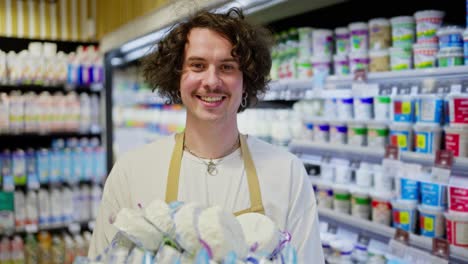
(140,177)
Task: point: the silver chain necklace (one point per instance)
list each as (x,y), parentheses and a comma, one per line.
(211,165)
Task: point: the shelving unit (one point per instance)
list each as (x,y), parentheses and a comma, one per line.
(385,233)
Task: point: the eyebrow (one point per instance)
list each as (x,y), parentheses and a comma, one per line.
(195,58)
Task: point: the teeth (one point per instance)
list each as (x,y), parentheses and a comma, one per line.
(211,99)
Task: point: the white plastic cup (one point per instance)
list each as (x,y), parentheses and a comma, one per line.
(456,140)
(400,59)
(403,31)
(449,57)
(327,172)
(342,174)
(431,221)
(322,41)
(359,60)
(405,215)
(359,34)
(379,34)
(321,131)
(425,55)
(427,138)
(379,60)
(377,134)
(401,136)
(381,208)
(342,41)
(450,36)
(304,68)
(457,228)
(363,108)
(345,108)
(382,108)
(341,65)
(427,24)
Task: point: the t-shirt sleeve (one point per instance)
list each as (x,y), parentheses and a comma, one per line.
(115,196)
(302,220)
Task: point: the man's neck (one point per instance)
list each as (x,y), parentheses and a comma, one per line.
(211,140)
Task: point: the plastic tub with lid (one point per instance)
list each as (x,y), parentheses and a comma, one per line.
(305,42)
(322,41)
(338,132)
(357,133)
(401,136)
(400,59)
(321,63)
(457,228)
(409,189)
(381,208)
(458,109)
(342,250)
(427,138)
(379,60)
(380,35)
(341,65)
(405,215)
(425,55)
(433,194)
(456,140)
(427,24)
(449,57)
(321,131)
(363,108)
(382,107)
(450,36)
(360,203)
(345,107)
(324,195)
(403,31)
(429,108)
(377,134)
(342,41)
(359,36)
(341,199)
(402,108)
(359,61)
(431,221)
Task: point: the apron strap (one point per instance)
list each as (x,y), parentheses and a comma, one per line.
(172,187)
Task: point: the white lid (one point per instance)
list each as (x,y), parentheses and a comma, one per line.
(429,14)
(431,209)
(341,31)
(379,22)
(340,57)
(427,127)
(379,53)
(321,58)
(342,245)
(449,30)
(321,31)
(401,126)
(456,216)
(404,204)
(358,26)
(401,20)
(431,46)
(358,55)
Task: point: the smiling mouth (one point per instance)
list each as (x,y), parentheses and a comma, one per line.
(211,99)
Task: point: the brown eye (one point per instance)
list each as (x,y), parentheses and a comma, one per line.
(227,67)
(197,66)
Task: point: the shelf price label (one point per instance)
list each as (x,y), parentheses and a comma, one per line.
(440,248)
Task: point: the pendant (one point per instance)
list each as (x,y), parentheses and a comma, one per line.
(211,168)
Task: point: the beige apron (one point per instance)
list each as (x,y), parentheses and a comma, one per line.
(172,188)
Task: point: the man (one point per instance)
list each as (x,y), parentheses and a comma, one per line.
(215,64)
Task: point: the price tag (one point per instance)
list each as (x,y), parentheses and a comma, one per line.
(391,152)
(360,75)
(440,248)
(401,236)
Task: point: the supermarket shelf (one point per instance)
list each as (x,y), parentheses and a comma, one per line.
(95,88)
(71,227)
(385,233)
(303,147)
(50,135)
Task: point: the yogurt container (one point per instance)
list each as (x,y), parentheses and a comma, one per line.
(341,200)
(379,34)
(360,204)
(304,68)
(321,63)
(427,24)
(457,228)
(341,65)
(363,108)
(359,37)
(409,189)
(400,59)
(377,134)
(425,55)
(431,221)
(305,42)
(458,199)
(382,182)
(324,195)
(321,131)
(359,61)
(326,239)
(344,107)
(342,41)
(405,215)
(465,46)
(449,57)
(364,175)
(456,140)
(338,132)
(403,31)
(458,109)
(429,108)
(401,136)
(427,138)
(357,134)
(379,60)
(381,208)
(450,36)
(322,41)
(433,194)
(382,108)
(342,250)
(402,108)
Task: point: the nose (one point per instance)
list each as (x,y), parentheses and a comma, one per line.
(211,79)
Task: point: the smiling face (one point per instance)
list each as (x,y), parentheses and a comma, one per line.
(211,84)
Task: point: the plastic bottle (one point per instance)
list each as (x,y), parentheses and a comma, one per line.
(32,213)
(69,249)
(20,210)
(72,69)
(31,250)
(95,114)
(96,194)
(17,250)
(45,246)
(58,250)
(56,215)
(5,251)
(85,113)
(44,207)
(67,205)
(19,167)
(85,199)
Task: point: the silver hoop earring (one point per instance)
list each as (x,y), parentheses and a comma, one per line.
(244,100)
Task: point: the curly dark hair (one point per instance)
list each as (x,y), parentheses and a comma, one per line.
(252,44)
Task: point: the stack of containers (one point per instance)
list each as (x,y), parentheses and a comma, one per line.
(450,46)
(403,36)
(379,42)
(457,214)
(402,117)
(359,46)
(322,45)
(342,47)
(428,23)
